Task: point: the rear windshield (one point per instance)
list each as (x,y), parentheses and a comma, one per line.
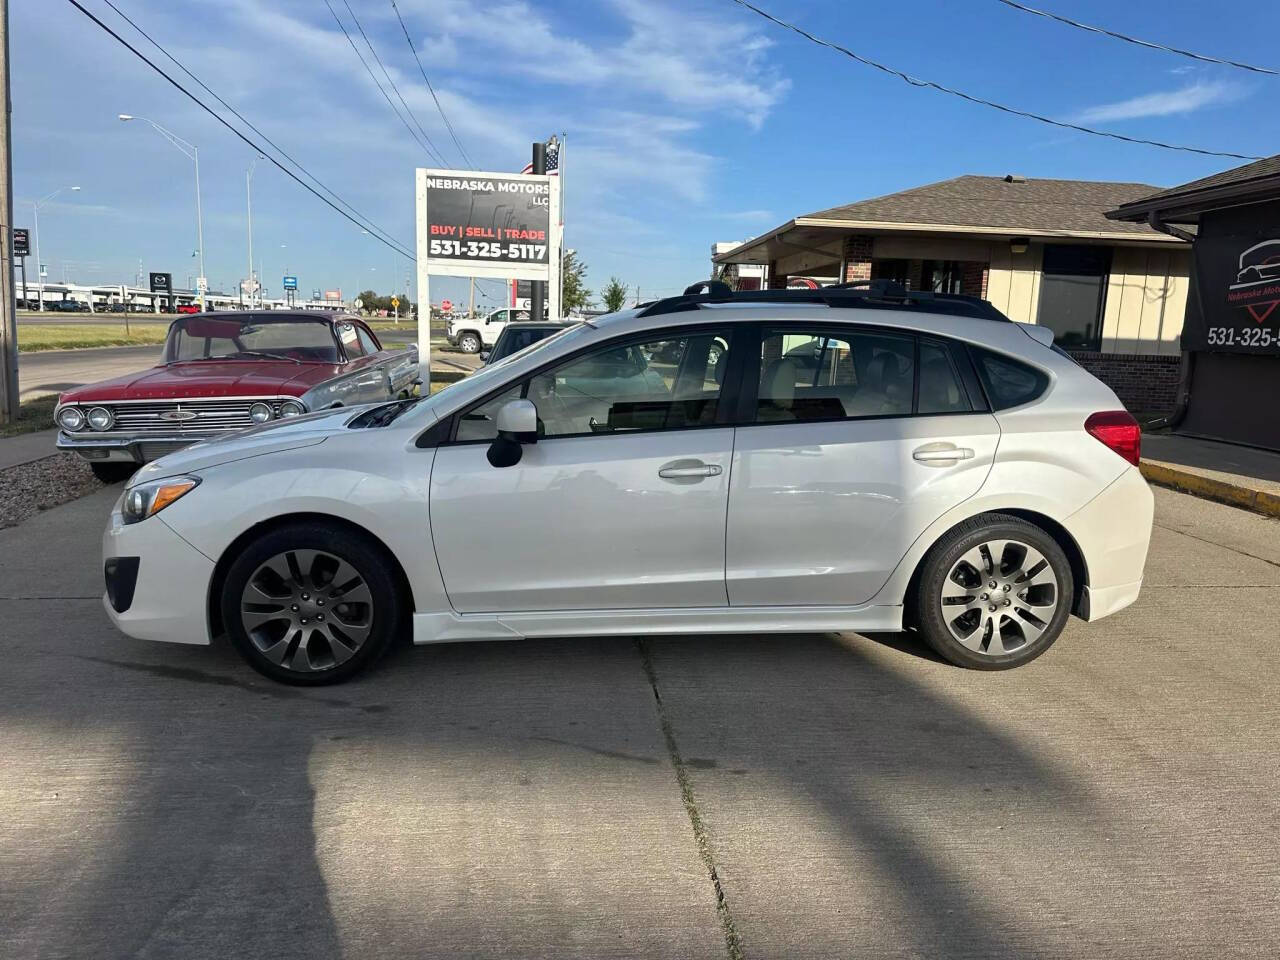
(253,336)
(1008,382)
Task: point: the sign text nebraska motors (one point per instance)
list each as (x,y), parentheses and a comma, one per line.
(494,220)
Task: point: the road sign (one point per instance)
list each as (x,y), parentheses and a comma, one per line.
(21,242)
(359,304)
(395,303)
(446,305)
(290,283)
(249,287)
(202,284)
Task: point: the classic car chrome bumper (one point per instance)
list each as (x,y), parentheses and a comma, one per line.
(138,449)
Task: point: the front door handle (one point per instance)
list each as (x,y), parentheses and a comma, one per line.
(942,453)
(689,470)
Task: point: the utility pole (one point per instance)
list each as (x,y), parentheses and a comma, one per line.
(538,288)
(8,311)
(471,303)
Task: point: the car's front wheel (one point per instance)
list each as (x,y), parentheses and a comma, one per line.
(994,593)
(469,343)
(309,604)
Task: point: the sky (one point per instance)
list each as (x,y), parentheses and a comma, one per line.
(687,121)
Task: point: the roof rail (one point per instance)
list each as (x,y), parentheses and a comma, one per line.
(875,294)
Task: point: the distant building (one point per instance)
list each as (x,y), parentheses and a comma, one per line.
(1042,251)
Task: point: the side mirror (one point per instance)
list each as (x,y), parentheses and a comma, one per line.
(484,356)
(517,424)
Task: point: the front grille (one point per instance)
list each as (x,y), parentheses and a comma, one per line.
(210,416)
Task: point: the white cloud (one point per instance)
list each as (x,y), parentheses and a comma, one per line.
(1164,103)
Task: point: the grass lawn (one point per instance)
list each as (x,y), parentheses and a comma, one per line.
(33,415)
(33,337)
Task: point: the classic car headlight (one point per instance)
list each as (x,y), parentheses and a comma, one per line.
(100,418)
(70,418)
(292,408)
(260,412)
(146,499)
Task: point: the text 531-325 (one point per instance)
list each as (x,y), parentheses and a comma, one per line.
(1244,337)
(487,250)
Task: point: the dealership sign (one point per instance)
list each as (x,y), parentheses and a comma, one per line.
(1238,294)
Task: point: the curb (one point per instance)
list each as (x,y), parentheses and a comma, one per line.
(1208,488)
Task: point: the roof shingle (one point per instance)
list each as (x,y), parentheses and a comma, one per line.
(1019,205)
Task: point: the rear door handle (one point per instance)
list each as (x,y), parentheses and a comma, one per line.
(941,453)
(689,470)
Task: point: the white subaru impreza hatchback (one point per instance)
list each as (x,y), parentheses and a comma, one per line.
(779,461)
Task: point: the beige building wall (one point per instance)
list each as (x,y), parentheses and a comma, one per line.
(1146,300)
(1013,281)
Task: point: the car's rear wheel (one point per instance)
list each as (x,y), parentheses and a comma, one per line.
(469,343)
(994,593)
(113,471)
(308,604)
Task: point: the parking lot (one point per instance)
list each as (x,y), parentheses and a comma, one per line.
(815,796)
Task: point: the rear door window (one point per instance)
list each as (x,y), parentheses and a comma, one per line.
(824,375)
(940,388)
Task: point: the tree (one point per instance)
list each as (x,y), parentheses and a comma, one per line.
(576,295)
(614,295)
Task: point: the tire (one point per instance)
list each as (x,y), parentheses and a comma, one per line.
(113,471)
(970,623)
(273,606)
(469,342)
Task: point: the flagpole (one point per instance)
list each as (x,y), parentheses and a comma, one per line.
(563,140)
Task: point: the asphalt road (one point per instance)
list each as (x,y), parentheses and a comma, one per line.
(1118,798)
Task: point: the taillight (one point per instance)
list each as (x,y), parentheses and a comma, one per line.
(1118,431)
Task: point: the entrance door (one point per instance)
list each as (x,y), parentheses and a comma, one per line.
(1072,288)
(621,502)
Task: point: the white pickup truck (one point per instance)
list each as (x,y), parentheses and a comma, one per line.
(472,334)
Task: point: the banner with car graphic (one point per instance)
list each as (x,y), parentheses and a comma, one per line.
(1237,303)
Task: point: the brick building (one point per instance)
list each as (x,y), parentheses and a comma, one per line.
(1042,251)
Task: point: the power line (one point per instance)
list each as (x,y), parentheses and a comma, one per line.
(411,114)
(1141,43)
(425,80)
(365,63)
(393,244)
(125,17)
(917,82)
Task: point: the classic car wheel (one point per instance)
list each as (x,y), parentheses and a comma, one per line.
(469,343)
(309,604)
(114,471)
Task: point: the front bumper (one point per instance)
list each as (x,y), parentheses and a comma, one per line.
(170,582)
(138,449)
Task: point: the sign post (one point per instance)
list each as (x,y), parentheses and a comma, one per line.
(21,250)
(502,226)
(162,283)
(290,287)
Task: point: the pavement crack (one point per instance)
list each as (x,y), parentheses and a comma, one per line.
(732,942)
(1243,553)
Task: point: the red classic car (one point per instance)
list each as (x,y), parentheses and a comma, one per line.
(228,371)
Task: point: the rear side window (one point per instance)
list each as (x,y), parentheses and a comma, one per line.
(1008,382)
(817,375)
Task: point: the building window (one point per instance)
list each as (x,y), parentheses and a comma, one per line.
(898,271)
(1073,293)
(941,276)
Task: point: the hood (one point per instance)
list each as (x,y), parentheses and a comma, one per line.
(289,434)
(188,379)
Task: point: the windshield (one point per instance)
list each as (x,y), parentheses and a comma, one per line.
(251,337)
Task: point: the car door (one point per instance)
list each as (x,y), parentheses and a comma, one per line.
(620,504)
(368,381)
(859,439)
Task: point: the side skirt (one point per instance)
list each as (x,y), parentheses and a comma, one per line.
(449,627)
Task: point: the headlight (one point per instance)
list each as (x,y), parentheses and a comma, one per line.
(100,418)
(260,413)
(146,499)
(70,418)
(292,408)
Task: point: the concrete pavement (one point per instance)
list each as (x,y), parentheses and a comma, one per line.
(854,797)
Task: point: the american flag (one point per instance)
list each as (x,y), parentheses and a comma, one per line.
(553,160)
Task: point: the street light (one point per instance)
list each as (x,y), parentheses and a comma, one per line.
(35,216)
(248,191)
(188,149)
